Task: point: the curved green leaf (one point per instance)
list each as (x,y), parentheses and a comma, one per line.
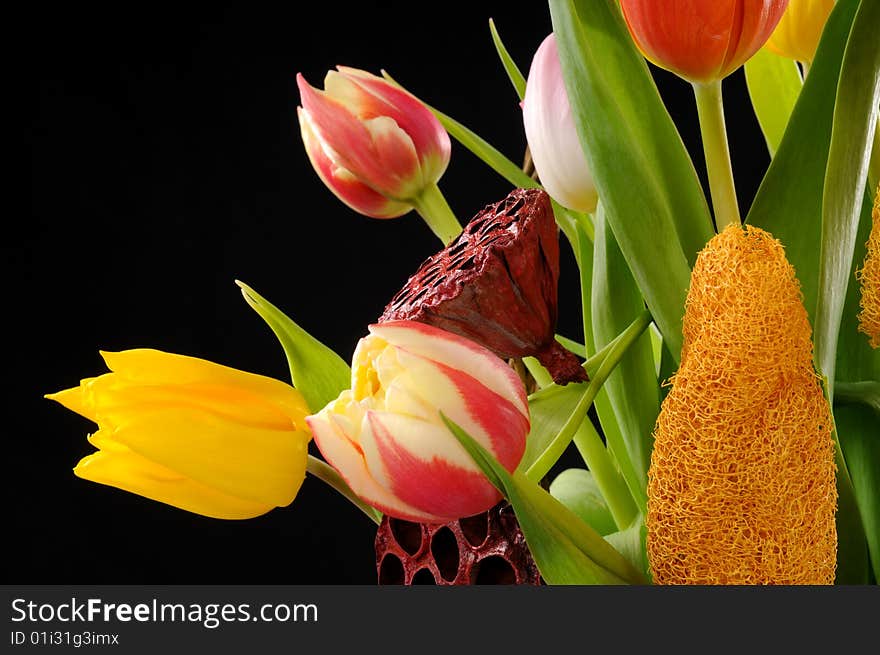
(855,116)
(566,550)
(317,372)
(788,203)
(631,543)
(516,77)
(578,491)
(643,173)
(774,84)
(632,387)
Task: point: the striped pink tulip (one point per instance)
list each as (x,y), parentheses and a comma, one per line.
(385,435)
(373,144)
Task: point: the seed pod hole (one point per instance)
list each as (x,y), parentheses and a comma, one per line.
(423,576)
(444,548)
(408,535)
(475,529)
(391,571)
(493,570)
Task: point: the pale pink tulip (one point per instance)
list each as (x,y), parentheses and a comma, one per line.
(551,134)
(385,435)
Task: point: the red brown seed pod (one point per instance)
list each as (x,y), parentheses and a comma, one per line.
(488,548)
(496,284)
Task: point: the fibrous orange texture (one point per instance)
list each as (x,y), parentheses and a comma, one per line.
(869,277)
(741,487)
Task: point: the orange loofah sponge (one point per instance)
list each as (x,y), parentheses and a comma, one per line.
(869,277)
(741,487)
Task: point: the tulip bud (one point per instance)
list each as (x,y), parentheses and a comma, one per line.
(550,131)
(701,40)
(386,437)
(798,32)
(497,284)
(193,434)
(373,144)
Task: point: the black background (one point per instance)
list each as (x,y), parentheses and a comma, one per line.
(164,162)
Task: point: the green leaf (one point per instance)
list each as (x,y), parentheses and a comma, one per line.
(859,433)
(631,543)
(486,152)
(516,77)
(578,491)
(632,387)
(317,372)
(855,117)
(566,550)
(856,360)
(549,409)
(629,139)
(788,203)
(774,83)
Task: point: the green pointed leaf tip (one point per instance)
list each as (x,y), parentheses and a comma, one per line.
(317,372)
(566,550)
(513,72)
(629,136)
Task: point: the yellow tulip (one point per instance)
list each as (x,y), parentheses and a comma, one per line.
(797,34)
(193,434)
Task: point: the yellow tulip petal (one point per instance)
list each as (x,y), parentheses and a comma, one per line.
(146,366)
(129,471)
(262,465)
(113,404)
(74,400)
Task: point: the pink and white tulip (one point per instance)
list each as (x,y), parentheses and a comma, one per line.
(551,134)
(385,435)
(373,144)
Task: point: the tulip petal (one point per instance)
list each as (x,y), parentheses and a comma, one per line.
(375,96)
(147,366)
(491,419)
(699,40)
(353,146)
(753,25)
(457,353)
(75,400)
(425,466)
(127,470)
(348,460)
(341,182)
(263,465)
(553,141)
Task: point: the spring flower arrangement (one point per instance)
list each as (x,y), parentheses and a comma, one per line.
(732,360)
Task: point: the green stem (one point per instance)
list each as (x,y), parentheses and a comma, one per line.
(874,162)
(432,206)
(560,442)
(611,485)
(710,108)
(326,473)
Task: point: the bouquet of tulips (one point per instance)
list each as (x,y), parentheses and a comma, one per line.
(732,360)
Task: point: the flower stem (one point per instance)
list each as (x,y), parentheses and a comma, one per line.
(611,485)
(560,442)
(710,108)
(852,393)
(432,206)
(328,474)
